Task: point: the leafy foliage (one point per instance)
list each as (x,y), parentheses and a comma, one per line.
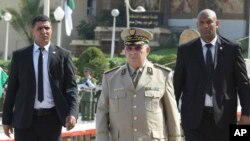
(168,60)
(244,47)
(117,61)
(154,57)
(21,20)
(94,59)
(5,65)
(1,14)
(86,30)
(106,19)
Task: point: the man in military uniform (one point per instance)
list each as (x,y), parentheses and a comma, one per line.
(137,100)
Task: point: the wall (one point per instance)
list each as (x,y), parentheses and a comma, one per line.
(227,28)
(17,41)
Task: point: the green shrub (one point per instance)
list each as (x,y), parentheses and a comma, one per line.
(5,65)
(154,58)
(244,46)
(94,59)
(117,61)
(86,30)
(168,61)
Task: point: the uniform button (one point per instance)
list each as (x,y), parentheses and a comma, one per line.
(134,106)
(135,118)
(135,130)
(134,96)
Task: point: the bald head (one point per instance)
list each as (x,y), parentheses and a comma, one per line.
(207,24)
(207,13)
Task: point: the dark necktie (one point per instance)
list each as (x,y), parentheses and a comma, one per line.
(210,68)
(40,75)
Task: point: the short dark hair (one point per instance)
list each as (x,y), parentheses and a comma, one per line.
(40,18)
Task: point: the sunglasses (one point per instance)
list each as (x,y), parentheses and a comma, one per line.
(135,47)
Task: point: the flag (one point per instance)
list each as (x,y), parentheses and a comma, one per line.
(69,6)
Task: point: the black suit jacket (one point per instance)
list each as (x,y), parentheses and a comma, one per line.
(230,78)
(20,97)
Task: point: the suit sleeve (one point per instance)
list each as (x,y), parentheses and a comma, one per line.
(71,86)
(171,111)
(179,75)
(102,114)
(12,88)
(242,82)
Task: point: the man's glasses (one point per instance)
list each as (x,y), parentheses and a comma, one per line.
(135,47)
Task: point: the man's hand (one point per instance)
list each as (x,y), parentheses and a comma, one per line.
(70,122)
(245,120)
(8,130)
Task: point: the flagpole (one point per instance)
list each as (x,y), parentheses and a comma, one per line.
(46,7)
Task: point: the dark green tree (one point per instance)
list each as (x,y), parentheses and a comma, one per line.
(1,14)
(106,19)
(94,59)
(86,30)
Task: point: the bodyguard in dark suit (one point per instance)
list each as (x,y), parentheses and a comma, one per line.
(210,72)
(38,103)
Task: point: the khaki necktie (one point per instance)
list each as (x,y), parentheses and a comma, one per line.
(135,77)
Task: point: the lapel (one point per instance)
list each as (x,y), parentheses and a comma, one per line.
(30,63)
(146,76)
(52,56)
(199,57)
(219,54)
(123,78)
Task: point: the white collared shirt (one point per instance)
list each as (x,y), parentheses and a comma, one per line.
(48,101)
(209,99)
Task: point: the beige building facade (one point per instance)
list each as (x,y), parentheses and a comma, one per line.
(17,40)
(172,16)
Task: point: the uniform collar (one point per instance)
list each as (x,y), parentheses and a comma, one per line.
(132,70)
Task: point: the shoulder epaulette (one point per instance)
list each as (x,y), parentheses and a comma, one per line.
(162,67)
(111,70)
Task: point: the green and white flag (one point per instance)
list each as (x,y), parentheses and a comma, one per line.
(69,6)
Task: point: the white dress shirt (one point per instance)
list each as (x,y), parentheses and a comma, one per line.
(48,101)
(209,99)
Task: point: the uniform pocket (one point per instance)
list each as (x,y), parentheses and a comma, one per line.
(158,134)
(114,134)
(152,100)
(116,99)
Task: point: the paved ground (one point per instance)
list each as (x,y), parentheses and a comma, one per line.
(81,125)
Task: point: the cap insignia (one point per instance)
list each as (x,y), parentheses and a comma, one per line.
(132,32)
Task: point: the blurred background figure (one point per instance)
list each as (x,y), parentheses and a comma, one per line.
(87,89)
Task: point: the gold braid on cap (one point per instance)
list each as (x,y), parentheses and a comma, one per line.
(136,38)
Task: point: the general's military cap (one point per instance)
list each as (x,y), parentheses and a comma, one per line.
(136,36)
